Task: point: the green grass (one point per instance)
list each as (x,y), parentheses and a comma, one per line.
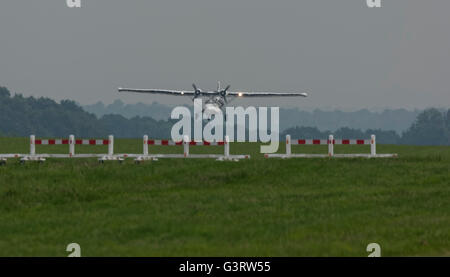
(256,207)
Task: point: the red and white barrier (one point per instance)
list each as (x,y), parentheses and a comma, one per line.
(186,144)
(331,142)
(71,142)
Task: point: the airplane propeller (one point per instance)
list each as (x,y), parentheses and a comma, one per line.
(224,93)
(197,92)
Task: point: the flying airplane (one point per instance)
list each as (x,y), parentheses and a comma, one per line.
(217,99)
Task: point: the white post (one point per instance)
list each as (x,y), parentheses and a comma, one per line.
(145,145)
(288,145)
(111,145)
(32,145)
(331,146)
(227,146)
(373,146)
(186,145)
(71,145)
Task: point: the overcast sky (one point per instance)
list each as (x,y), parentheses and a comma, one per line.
(345,54)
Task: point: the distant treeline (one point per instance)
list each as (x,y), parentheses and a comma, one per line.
(155,110)
(398,120)
(22,116)
(431,127)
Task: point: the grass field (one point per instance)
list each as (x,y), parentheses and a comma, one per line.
(256,207)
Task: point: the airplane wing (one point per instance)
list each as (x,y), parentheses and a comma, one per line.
(158,91)
(265,94)
(229,93)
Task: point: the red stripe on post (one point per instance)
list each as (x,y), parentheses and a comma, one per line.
(38,141)
(92,142)
(302,141)
(51,141)
(179,142)
(164,142)
(65,141)
(150,142)
(105,142)
(193,143)
(79,141)
(345,141)
(360,141)
(206,143)
(316,141)
(220,143)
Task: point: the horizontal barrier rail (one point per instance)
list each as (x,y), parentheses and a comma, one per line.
(331,141)
(192,143)
(327,141)
(67,142)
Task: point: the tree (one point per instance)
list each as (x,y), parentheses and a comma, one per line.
(447,120)
(4,92)
(428,129)
(348,133)
(305,133)
(385,137)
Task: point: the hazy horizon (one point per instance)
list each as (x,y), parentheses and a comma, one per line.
(307,109)
(346,55)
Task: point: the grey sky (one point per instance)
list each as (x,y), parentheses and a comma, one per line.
(347,55)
